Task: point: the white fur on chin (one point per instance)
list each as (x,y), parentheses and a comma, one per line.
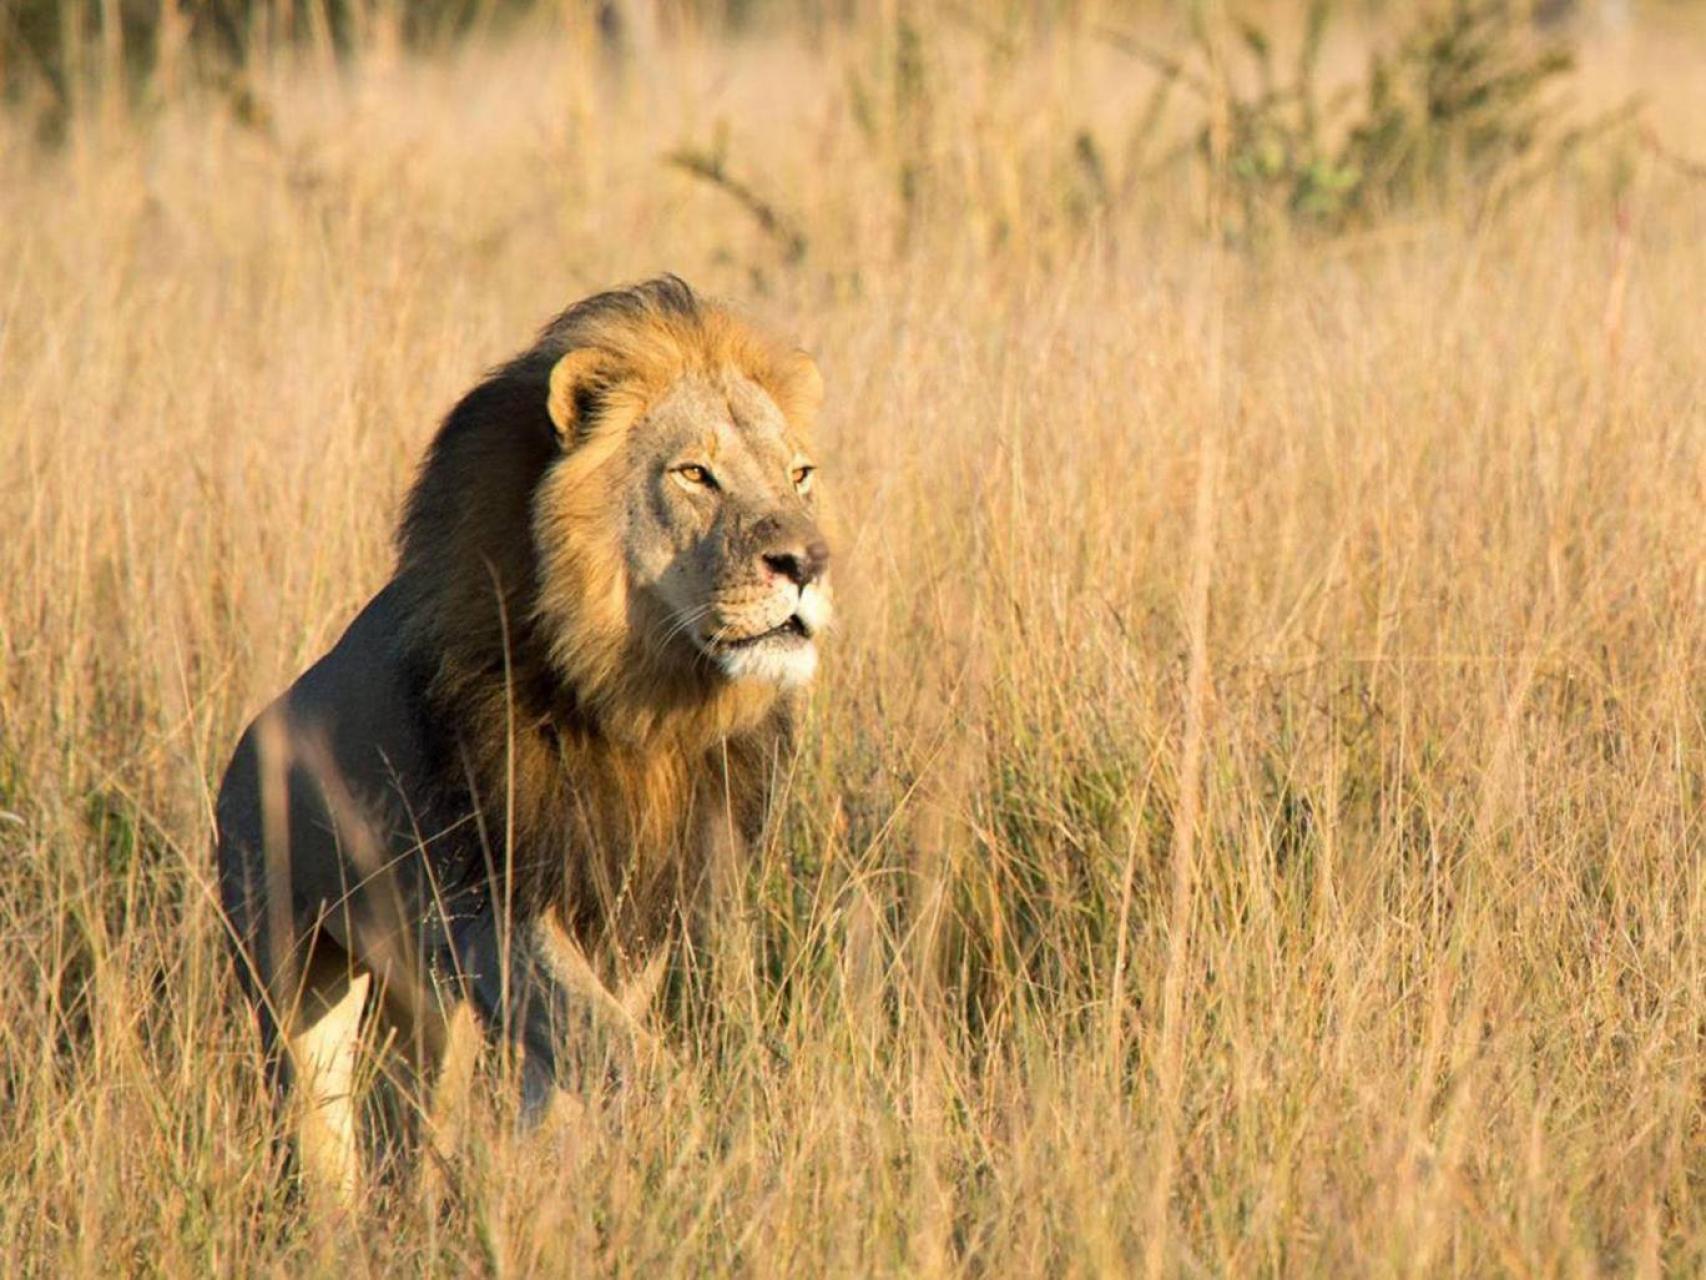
(783,662)
(786,661)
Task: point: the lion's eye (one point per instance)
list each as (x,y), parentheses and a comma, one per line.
(803,477)
(694,474)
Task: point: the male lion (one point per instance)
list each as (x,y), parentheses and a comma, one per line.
(531,753)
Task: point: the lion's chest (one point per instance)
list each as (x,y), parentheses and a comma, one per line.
(636,843)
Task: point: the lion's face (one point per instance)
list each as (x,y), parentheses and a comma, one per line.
(723,550)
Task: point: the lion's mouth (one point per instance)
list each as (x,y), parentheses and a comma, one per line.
(793,631)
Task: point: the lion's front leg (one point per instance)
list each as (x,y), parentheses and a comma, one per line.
(533,986)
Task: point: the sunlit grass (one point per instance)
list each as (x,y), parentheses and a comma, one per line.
(1253,818)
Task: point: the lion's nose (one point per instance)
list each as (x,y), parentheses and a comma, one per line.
(801,564)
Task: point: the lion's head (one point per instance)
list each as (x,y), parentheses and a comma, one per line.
(623,519)
(682,511)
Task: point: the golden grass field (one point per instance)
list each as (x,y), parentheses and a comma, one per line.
(1253,816)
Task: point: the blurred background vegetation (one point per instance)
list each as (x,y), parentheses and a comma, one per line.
(52,41)
(1461,95)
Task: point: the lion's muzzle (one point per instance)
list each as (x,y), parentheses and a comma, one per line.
(763,625)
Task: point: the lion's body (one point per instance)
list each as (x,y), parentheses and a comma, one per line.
(525,760)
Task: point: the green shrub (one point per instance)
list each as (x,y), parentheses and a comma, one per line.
(1463,104)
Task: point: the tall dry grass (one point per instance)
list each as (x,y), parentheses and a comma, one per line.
(1253,819)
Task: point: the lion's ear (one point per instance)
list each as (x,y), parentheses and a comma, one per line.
(574,379)
(804,385)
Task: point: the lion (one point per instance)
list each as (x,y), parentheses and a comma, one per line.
(528,762)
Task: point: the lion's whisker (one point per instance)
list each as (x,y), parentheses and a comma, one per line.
(682,622)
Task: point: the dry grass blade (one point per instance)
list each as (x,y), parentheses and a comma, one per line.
(1252,817)
(710,167)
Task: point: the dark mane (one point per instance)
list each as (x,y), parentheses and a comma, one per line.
(471,503)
